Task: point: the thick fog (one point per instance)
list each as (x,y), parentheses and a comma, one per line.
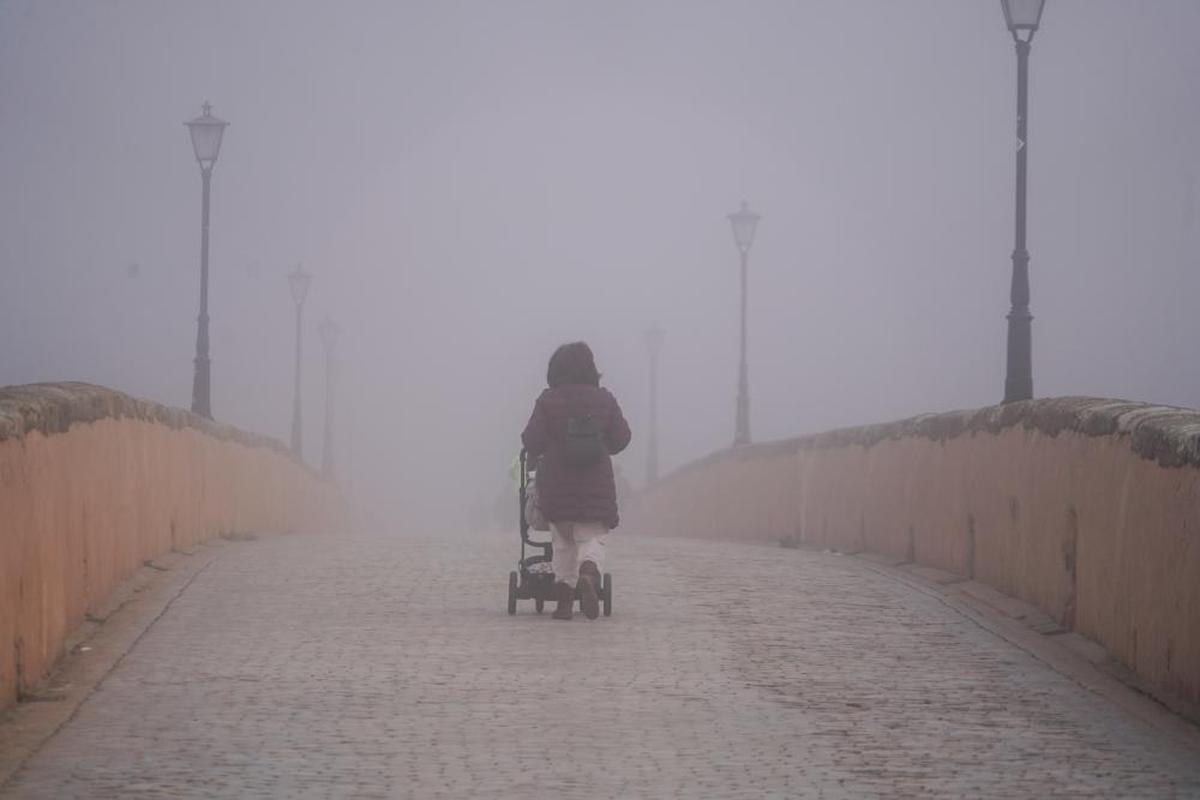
(472,184)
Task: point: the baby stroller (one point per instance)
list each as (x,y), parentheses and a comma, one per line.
(534,578)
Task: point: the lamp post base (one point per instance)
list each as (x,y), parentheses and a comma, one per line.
(201,394)
(741,434)
(1018,380)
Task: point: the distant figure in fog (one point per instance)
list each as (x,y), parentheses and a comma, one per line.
(575,429)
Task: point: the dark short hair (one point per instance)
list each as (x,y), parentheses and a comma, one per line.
(572,363)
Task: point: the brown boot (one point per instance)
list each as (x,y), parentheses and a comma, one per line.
(589,601)
(566,600)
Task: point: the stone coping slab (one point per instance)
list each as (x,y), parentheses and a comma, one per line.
(1165,434)
(52,408)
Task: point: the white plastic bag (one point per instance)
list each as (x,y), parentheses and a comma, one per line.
(533,510)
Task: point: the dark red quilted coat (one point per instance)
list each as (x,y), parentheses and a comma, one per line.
(568,494)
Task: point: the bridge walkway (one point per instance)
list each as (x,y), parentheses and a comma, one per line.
(378,666)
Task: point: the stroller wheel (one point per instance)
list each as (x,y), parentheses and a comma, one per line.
(606,591)
(512,592)
(539,604)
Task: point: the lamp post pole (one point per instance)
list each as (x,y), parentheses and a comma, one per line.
(742,431)
(299,281)
(329,335)
(654,341)
(1022,16)
(297,432)
(202,374)
(206,133)
(744,223)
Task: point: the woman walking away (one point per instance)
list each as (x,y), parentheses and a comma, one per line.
(576,427)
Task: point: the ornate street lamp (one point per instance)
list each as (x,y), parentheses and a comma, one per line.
(1022,18)
(744,223)
(654,342)
(206,132)
(329,336)
(299,282)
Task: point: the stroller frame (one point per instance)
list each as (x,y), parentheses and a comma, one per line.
(539,586)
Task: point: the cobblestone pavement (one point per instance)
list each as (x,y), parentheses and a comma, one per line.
(375,666)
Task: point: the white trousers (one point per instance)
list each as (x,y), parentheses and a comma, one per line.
(575,543)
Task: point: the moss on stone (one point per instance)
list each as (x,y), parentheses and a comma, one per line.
(51,408)
(1167,435)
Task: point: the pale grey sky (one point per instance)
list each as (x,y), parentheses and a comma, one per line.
(475,183)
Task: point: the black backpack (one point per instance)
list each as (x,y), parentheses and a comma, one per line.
(584,445)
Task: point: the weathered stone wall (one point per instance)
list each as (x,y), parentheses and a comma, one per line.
(1089,509)
(94,483)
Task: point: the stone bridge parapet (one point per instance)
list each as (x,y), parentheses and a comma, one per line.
(94,484)
(1086,508)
